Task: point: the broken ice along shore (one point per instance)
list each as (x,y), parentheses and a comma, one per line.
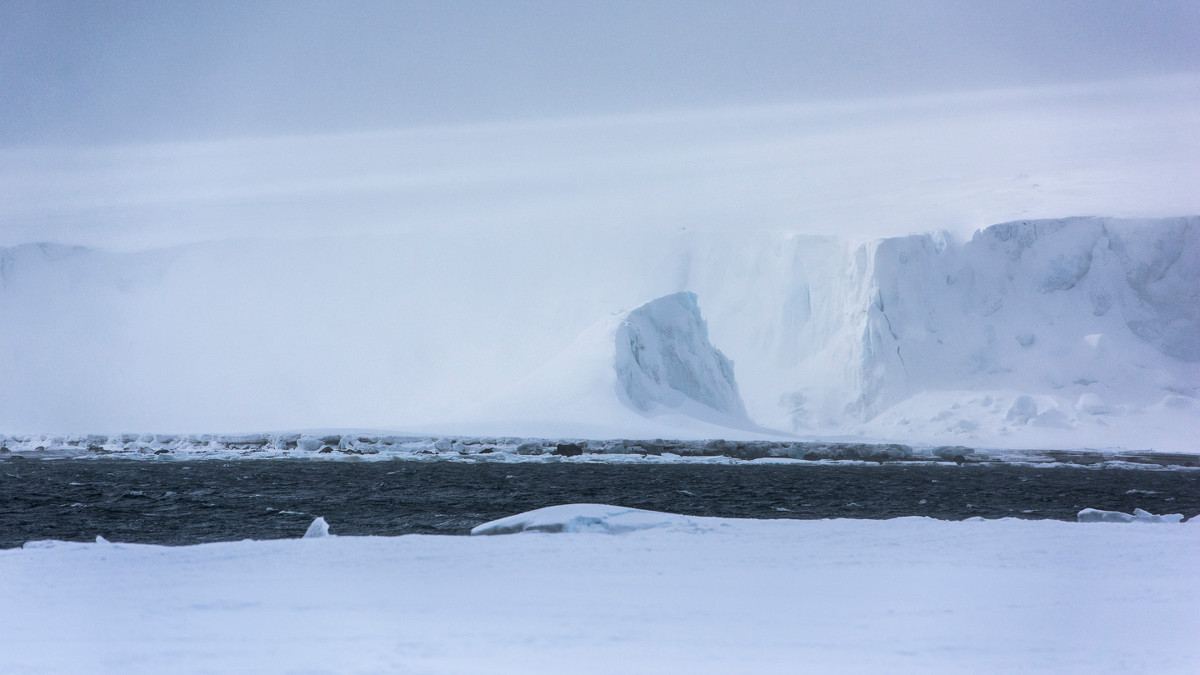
(363,446)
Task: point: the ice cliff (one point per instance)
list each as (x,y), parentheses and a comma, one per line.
(1051,333)
(1075,325)
(1073,306)
(663,359)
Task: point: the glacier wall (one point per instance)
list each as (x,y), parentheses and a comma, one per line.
(1063,304)
(1093,321)
(1054,333)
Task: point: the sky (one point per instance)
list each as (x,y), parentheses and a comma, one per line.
(88,72)
(138,124)
(131,125)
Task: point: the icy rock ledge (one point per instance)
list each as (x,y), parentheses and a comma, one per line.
(597,518)
(1138,516)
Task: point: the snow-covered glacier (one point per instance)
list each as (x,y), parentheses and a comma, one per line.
(1080,332)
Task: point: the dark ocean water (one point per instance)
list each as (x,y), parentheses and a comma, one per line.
(189,502)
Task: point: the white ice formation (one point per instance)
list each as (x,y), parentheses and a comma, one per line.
(319,528)
(1082,332)
(1076,331)
(648,365)
(607,519)
(1138,516)
(663,359)
(595,518)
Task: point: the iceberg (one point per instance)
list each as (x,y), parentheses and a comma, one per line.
(318,529)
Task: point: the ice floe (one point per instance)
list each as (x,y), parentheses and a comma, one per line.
(1138,516)
(589,518)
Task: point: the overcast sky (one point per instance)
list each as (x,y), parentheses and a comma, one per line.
(136,124)
(84,72)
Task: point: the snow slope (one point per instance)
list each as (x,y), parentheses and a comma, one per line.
(694,595)
(647,372)
(254,335)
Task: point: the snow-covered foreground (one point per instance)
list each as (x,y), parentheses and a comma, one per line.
(665,594)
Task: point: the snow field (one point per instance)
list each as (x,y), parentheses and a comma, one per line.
(689,595)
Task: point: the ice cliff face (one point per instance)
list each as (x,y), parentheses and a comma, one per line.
(1070,306)
(663,359)
(1071,332)
(1060,324)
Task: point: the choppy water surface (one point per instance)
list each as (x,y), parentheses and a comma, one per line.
(188,502)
